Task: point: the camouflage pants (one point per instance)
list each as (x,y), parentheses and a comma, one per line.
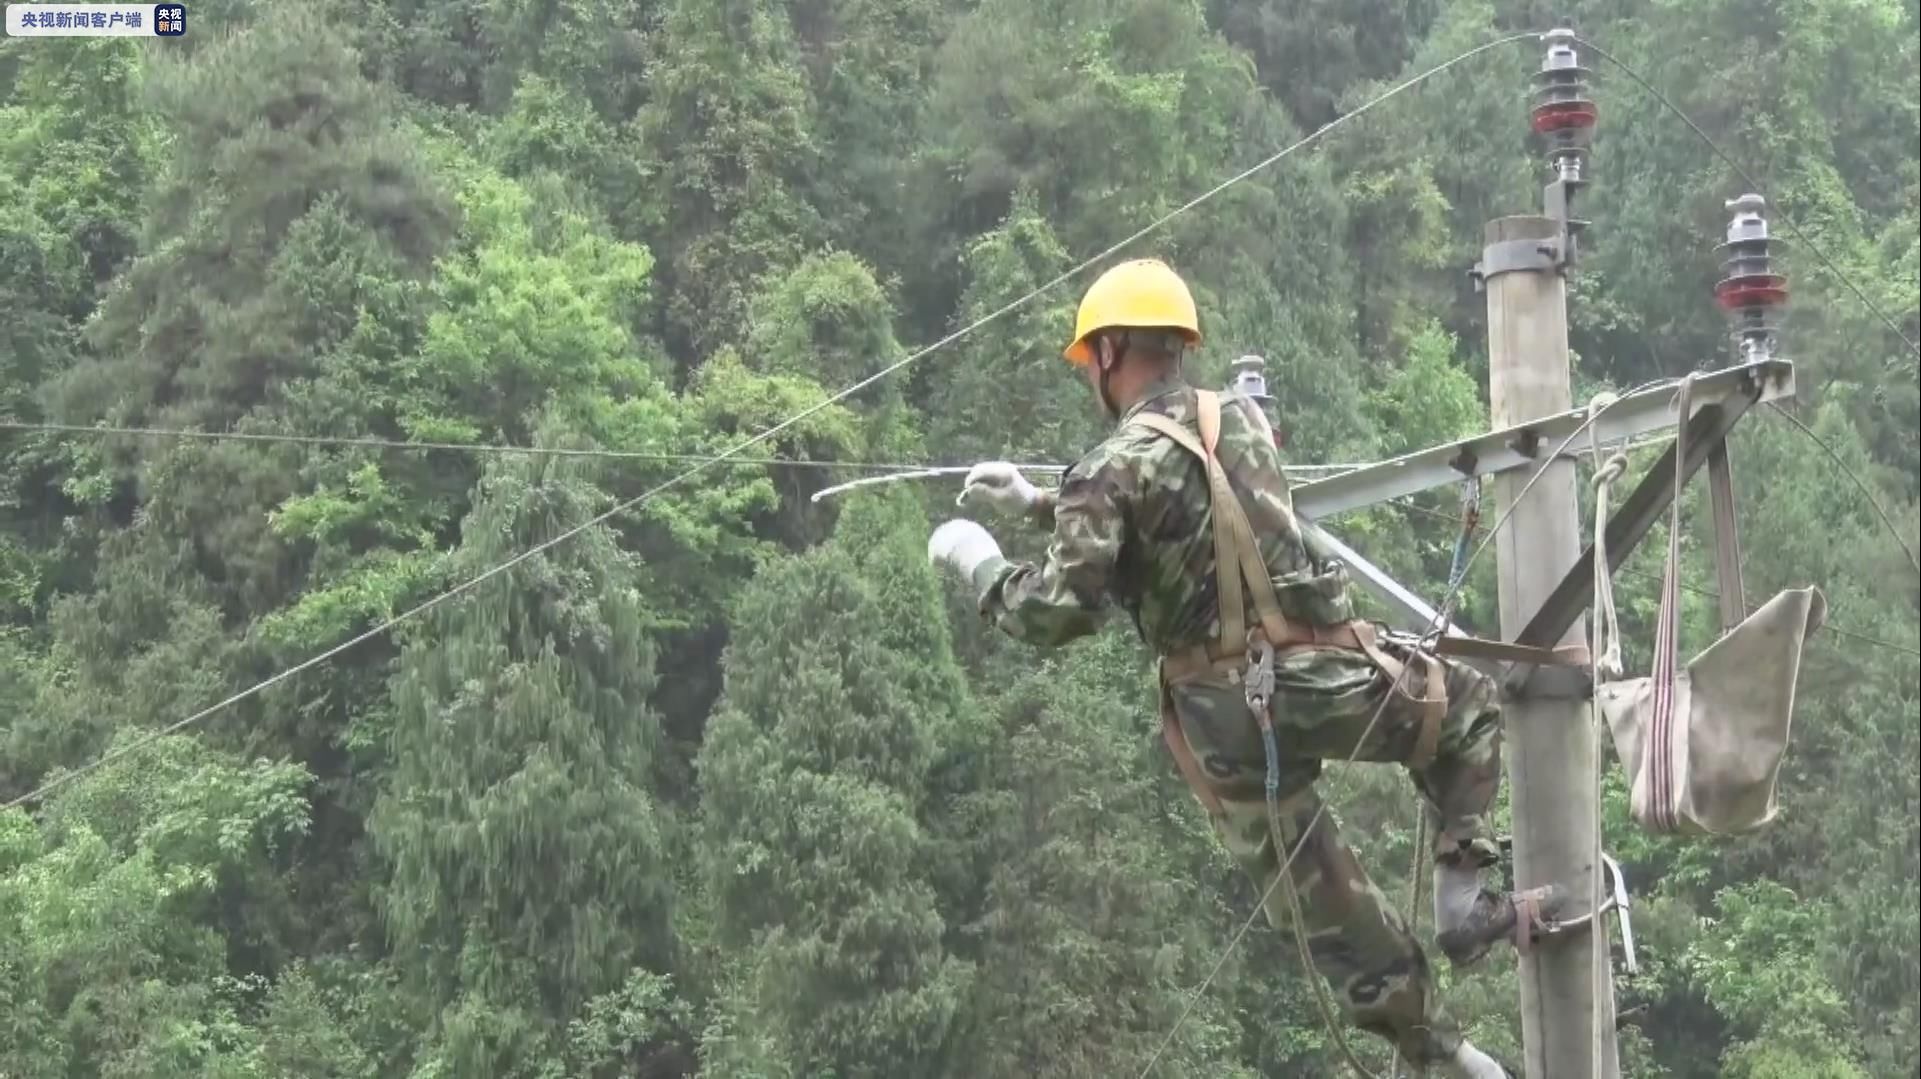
(1323,701)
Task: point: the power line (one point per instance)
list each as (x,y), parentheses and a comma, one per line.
(1755,186)
(1866,491)
(369,442)
(797,417)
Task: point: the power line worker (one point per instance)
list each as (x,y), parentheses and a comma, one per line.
(1277,653)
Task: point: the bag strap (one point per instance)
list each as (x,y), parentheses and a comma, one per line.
(1237,557)
(1667,632)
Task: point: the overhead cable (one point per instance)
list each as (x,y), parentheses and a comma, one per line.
(370,442)
(1866,491)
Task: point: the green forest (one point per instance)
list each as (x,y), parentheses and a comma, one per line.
(735,784)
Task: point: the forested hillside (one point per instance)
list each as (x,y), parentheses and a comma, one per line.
(734,784)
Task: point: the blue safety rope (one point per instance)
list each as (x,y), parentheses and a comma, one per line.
(1273,765)
(1260,694)
(1470,519)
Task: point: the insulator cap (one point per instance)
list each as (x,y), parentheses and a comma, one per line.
(1748,222)
(1250,378)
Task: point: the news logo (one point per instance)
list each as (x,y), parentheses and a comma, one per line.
(96,20)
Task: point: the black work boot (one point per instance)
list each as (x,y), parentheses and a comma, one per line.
(1469,920)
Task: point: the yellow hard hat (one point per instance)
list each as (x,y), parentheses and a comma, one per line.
(1142,294)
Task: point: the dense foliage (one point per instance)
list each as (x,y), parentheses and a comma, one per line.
(729,783)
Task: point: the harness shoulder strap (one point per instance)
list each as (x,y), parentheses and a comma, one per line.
(1237,555)
(1227,563)
(1260,581)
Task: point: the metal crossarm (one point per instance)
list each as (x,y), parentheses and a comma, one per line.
(1633,415)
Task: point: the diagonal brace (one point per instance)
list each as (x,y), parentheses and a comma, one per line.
(1706,434)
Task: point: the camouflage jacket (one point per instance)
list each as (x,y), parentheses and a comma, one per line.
(1132,524)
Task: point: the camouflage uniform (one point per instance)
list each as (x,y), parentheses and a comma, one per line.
(1132,522)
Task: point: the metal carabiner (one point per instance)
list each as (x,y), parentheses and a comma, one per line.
(1260,675)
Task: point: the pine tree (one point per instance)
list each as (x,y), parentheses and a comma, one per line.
(827,320)
(840,685)
(525,849)
(280,252)
(1090,934)
(1008,393)
(726,134)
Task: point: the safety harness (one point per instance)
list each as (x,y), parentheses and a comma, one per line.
(1247,653)
(1237,561)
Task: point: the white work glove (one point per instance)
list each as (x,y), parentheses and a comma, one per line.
(1470,1063)
(963,545)
(999,486)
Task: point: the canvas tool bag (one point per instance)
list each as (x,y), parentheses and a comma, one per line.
(1702,745)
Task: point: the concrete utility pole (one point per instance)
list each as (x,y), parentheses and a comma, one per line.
(1546,570)
(1552,747)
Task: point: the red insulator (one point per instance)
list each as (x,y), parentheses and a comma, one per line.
(1565,116)
(1757,290)
(1752,294)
